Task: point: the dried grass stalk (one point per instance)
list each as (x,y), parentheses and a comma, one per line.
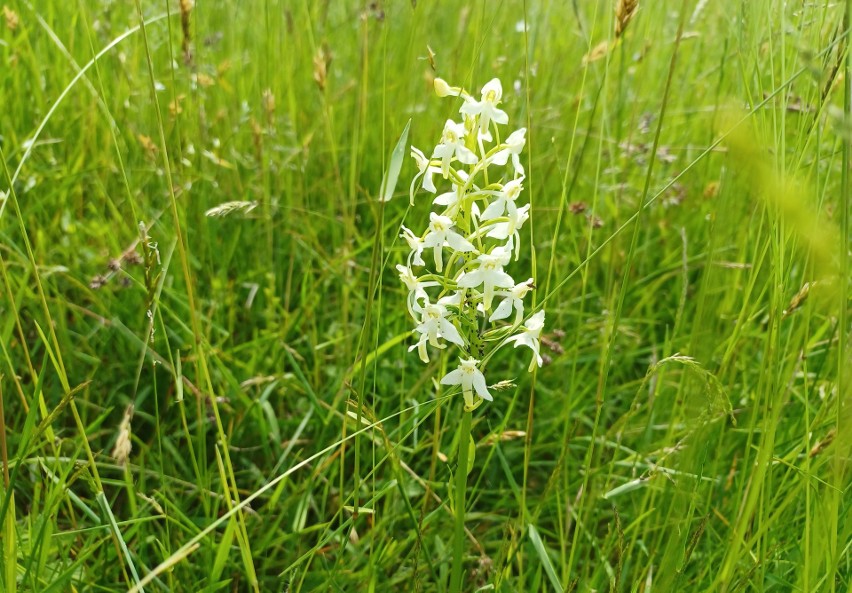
(625,10)
(185,10)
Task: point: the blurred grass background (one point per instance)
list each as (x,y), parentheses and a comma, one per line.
(689,232)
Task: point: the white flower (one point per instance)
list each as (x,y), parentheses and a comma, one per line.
(452,144)
(433,325)
(487,109)
(416,245)
(454,299)
(410,280)
(514,300)
(492,213)
(452,200)
(441,234)
(425,170)
(505,199)
(514,145)
(470,378)
(509,229)
(490,274)
(416,289)
(530,336)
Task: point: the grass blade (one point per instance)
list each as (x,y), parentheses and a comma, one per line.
(392,174)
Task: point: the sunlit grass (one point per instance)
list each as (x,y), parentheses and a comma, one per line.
(193,228)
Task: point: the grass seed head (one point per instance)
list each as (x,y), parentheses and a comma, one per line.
(625,10)
(11,17)
(185,10)
(123,446)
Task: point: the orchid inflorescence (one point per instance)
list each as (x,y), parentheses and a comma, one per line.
(468,298)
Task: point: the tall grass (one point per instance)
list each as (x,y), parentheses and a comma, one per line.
(688,170)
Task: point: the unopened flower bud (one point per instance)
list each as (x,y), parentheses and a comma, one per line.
(442,89)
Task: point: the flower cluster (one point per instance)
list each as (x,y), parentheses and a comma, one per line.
(467,298)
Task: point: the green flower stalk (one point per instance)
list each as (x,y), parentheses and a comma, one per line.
(467,296)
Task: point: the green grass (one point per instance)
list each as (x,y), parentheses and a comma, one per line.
(689,433)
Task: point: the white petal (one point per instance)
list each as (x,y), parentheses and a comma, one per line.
(466,156)
(488,296)
(517,139)
(536,322)
(471,107)
(519,310)
(480,387)
(500,230)
(421,349)
(452,378)
(516,162)
(445,165)
(443,150)
(494,209)
(493,85)
(446,199)
(416,258)
(499,116)
(522,339)
(471,279)
(419,158)
(502,279)
(428,184)
(504,253)
(439,258)
(459,243)
(450,333)
(452,299)
(501,157)
(502,311)
(433,240)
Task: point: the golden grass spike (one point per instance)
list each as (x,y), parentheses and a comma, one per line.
(11,17)
(185,9)
(123,446)
(625,10)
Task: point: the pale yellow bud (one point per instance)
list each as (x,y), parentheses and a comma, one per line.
(442,89)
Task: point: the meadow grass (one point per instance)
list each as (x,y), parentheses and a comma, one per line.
(194,261)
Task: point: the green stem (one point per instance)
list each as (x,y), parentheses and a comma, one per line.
(456,580)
